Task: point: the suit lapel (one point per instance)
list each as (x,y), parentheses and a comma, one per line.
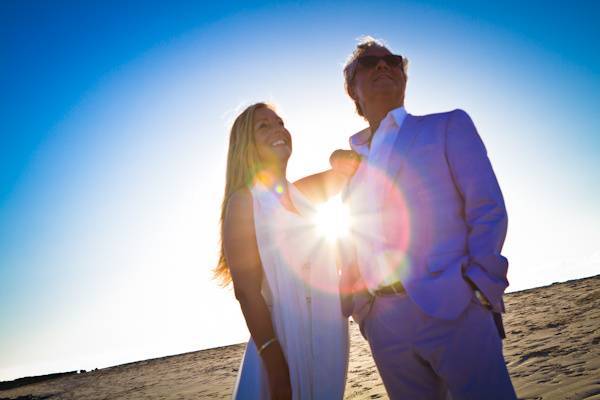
(402,145)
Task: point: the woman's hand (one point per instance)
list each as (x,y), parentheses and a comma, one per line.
(278,372)
(344,162)
(280,387)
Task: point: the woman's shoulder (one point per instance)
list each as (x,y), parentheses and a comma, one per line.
(241,195)
(240,203)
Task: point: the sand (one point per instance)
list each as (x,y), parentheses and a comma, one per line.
(552,351)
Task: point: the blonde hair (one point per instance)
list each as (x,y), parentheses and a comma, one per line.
(243,164)
(364,43)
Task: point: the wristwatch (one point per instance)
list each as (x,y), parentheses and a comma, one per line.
(482,299)
(480,296)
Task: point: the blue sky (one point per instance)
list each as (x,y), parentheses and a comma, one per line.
(113,133)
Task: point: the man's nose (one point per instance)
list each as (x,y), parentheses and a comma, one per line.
(381,65)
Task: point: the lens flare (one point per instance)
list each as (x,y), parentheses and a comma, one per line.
(317,242)
(332,219)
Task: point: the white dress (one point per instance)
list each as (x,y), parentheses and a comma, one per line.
(301,288)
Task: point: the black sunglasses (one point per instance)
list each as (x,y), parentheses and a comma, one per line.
(391,60)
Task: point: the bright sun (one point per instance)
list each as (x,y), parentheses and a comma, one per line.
(333,219)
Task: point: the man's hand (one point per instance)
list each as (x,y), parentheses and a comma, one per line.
(344,162)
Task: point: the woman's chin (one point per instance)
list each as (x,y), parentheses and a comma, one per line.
(284,153)
(277,157)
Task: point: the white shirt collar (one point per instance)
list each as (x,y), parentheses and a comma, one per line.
(358,142)
(398,114)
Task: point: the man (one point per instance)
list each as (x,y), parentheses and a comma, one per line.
(429,222)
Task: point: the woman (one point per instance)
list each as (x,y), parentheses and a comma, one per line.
(284,278)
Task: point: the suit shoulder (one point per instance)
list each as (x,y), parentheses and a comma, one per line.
(454,114)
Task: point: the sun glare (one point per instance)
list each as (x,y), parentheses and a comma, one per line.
(333,219)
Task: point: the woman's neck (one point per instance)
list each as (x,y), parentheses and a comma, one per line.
(274,177)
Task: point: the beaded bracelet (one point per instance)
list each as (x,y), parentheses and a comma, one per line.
(266,344)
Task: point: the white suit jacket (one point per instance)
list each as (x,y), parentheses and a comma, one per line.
(444,213)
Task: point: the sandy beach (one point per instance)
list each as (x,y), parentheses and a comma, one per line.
(552,351)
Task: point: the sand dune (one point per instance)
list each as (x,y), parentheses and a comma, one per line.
(552,351)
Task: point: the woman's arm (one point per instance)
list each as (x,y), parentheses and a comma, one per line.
(323,185)
(241,253)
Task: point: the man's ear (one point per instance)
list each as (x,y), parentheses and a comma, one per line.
(351,92)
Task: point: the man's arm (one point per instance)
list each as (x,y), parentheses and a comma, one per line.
(485,213)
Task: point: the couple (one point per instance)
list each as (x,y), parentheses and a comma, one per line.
(421,273)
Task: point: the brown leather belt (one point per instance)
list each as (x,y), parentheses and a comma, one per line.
(394,288)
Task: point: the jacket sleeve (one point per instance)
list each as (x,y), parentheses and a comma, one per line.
(484,209)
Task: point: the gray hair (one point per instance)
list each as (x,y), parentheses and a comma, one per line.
(364,43)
